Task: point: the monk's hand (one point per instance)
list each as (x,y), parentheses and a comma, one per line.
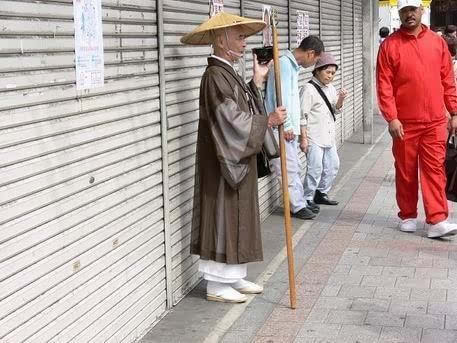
(277,117)
(396,129)
(289,136)
(453,125)
(260,71)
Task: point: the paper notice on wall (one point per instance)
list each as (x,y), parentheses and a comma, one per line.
(215,6)
(88,44)
(267,31)
(302,26)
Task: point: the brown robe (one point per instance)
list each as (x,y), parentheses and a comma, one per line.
(231,132)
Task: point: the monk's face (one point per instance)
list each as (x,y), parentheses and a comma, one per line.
(230,43)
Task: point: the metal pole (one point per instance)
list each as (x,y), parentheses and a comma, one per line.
(164,141)
(343,121)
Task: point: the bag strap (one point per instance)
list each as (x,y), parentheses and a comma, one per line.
(322,94)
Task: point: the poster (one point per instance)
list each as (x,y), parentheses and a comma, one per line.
(215,6)
(88,44)
(302,26)
(267,31)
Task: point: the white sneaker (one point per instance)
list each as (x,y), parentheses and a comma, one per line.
(442,229)
(223,292)
(247,287)
(408,225)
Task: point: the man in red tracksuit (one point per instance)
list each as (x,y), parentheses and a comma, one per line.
(415,82)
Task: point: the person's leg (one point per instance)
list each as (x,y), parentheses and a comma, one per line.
(432,152)
(314,170)
(331,165)
(405,152)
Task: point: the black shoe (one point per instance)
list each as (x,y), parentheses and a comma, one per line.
(322,199)
(304,214)
(311,205)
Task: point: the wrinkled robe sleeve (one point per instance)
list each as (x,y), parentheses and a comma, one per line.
(236,133)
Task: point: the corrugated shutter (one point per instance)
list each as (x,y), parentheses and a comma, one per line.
(331,36)
(358,64)
(348,66)
(82,234)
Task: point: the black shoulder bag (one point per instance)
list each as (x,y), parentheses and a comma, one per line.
(322,94)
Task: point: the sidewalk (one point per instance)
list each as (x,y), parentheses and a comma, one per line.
(359,279)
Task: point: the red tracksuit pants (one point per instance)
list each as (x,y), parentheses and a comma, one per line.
(422,150)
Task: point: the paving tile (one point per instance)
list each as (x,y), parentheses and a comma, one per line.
(342,269)
(355,260)
(367,304)
(417,262)
(359,334)
(406,282)
(349,291)
(331,290)
(385,319)
(286,314)
(449,308)
(366,270)
(346,317)
(393,293)
(282,328)
(318,315)
(436,273)
(317,330)
(451,322)
(425,321)
(408,306)
(399,271)
(333,303)
(379,281)
(439,336)
(270,339)
(373,252)
(400,335)
(342,279)
(305,340)
(443,284)
(435,295)
(386,261)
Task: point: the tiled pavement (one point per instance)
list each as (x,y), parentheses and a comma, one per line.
(368,282)
(358,278)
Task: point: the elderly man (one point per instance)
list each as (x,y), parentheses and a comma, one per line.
(231,132)
(415,80)
(304,56)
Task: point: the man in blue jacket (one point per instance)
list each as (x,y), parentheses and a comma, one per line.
(306,55)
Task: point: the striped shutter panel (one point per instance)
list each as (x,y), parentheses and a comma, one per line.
(358,64)
(348,66)
(82,233)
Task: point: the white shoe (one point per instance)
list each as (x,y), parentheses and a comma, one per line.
(223,292)
(408,225)
(247,287)
(442,229)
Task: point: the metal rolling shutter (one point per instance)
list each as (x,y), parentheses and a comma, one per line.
(358,64)
(82,233)
(331,36)
(269,191)
(348,66)
(184,67)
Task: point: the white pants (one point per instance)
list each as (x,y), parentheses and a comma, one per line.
(296,195)
(323,165)
(222,272)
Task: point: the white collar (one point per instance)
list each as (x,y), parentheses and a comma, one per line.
(222,60)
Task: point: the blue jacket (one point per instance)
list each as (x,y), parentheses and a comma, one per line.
(290,92)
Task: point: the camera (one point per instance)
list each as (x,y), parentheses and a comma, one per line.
(264,55)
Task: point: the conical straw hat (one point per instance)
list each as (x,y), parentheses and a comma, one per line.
(202,34)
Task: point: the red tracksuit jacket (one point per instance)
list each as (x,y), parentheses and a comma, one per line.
(415,77)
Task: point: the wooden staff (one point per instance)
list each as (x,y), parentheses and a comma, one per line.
(285,183)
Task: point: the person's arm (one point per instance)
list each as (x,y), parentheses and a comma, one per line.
(448,81)
(305,108)
(384,83)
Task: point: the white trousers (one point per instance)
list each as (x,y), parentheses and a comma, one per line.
(322,167)
(222,272)
(296,195)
